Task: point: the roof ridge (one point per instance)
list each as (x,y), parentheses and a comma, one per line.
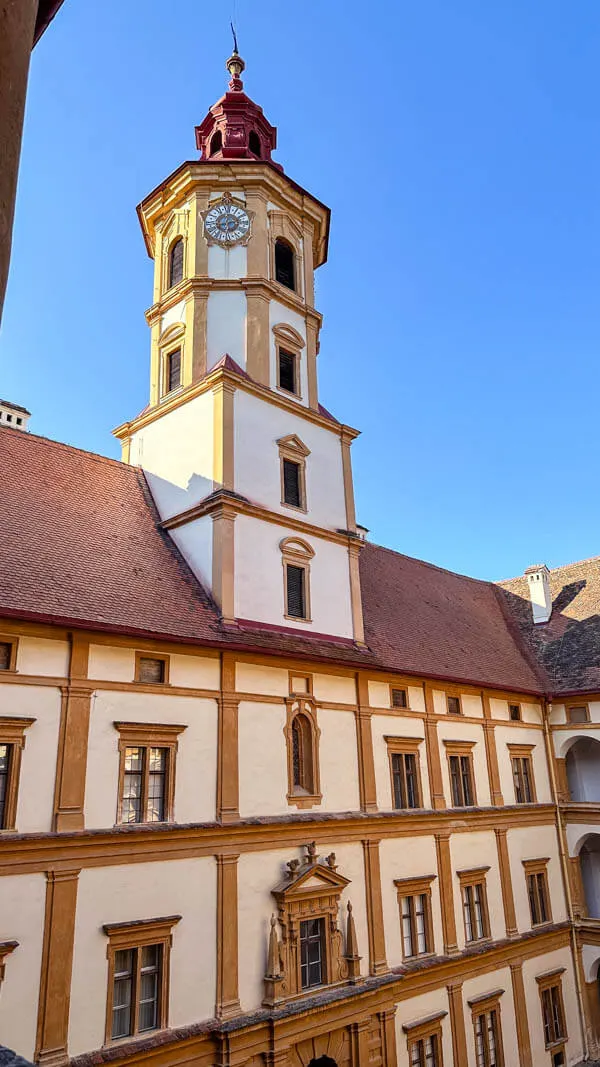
(432,566)
(553,570)
(27,436)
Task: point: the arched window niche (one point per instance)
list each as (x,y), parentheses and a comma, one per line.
(285,264)
(254,144)
(302,739)
(176,262)
(216,143)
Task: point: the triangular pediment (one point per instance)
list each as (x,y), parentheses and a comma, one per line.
(293,443)
(318,877)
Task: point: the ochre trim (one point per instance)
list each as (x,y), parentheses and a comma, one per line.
(10,639)
(491,753)
(136,935)
(377,953)
(56,969)
(223,560)
(508,900)
(434,760)
(149,735)
(12,732)
(457,1022)
(364,739)
(71,761)
(228,1003)
(446,884)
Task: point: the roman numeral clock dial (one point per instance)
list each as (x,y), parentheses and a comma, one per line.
(227,222)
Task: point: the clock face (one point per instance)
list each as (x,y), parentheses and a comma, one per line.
(227,223)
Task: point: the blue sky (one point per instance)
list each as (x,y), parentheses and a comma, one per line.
(457,144)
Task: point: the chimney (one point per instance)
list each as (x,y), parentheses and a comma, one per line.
(13,415)
(538,580)
(361,531)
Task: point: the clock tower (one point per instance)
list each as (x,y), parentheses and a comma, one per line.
(250,474)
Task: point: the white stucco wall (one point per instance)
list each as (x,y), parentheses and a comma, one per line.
(227,262)
(529,843)
(37,655)
(259,592)
(22,907)
(380,695)
(117,664)
(397,860)
(469,851)
(258,873)
(334,687)
(195,542)
(506,736)
(144,891)
(338,760)
(176,453)
(226,327)
(263,758)
(256,678)
(35,802)
(196,759)
(258,427)
(396,726)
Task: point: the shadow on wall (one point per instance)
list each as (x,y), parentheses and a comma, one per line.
(8,1058)
(172,499)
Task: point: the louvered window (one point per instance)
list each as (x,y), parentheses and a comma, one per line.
(287,371)
(176,263)
(151,670)
(173,370)
(292,486)
(296,592)
(284,264)
(399,698)
(5,655)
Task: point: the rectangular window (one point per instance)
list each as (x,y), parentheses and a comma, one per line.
(425,1052)
(415,925)
(453,705)
(138,955)
(151,670)
(523,779)
(312,955)
(461,781)
(144,785)
(515,712)
(405,780)
(173,370)
(295,591)
(552,1014)
(578,713)
(6,656)
(537,891)
(488,1046)
(292,483)
(5,774)
(399,698)
(287,371)
(475,912)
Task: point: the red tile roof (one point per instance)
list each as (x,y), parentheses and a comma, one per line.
(81,546)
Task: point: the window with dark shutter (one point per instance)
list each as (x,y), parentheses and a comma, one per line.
(399,698)
(287,371)
(284,264)
(296,599)
(5,655)
(292,493)
(515,712)
(176,263)
(453,705)
(173,370)
(151,670)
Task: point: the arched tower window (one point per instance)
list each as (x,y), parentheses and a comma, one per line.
(216,143)
(302,755)
(176,263)
(285,272)
(254,143)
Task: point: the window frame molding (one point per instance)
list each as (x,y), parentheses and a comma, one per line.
(12,732)
(293,448)
(292,342)
(405,746)
(483,1005)
(149,735)
(412,887)
(455,695)
(523,752)
(6,947)
(171,339)
(302,693)
(402,689)
(171,242)
(284,228)
(137,935)
(13,641)
(297,553)
(461,748)
(164,657)
(577,704)
(307,706)
(545,981)
(515,704)
(468,878)
(421,1029)
(534,867)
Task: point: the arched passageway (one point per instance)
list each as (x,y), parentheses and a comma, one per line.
(589,860)
(583,770)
